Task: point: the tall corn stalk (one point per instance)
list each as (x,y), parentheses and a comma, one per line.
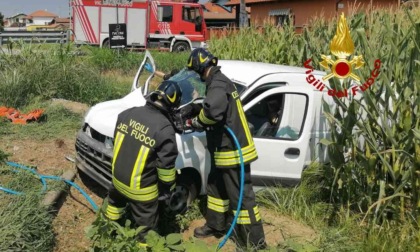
(375,158)
(381,174)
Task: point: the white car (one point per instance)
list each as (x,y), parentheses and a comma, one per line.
(284,113)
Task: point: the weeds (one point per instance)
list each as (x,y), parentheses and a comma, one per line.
(37,74)
(194,212)
(24,224)
(113,236)
(3,156)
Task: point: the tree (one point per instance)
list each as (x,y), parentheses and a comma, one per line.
(243,15)
(1,21)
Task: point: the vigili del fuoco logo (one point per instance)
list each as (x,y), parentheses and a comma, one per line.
(342,47)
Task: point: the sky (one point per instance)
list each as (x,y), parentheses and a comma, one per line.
(11,7)
(60,7)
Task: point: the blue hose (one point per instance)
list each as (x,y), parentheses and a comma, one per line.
(43,178)
(241,189)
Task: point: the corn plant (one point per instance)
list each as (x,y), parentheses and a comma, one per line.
(380,176)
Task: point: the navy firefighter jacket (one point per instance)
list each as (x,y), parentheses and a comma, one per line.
(145,151)
(222,106)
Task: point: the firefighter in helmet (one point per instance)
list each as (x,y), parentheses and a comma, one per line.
(222,106)
(143,165)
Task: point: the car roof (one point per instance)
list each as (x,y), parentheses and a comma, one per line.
(247,72)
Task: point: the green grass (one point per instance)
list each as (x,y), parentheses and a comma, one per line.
(24,224)
(77,74)
(338,228)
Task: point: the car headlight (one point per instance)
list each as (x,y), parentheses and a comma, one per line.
(87,130)
(108,143)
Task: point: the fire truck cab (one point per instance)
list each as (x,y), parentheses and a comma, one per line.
(176,26)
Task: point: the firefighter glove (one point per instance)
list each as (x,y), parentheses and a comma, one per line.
(148,67)
(194,124)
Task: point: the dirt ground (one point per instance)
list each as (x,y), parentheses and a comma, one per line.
(75,214)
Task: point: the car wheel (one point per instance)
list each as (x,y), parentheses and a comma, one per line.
(181,46)
(186,191)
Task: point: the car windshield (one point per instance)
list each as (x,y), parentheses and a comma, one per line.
(191,85)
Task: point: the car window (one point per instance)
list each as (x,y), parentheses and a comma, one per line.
(261,89)
(239,87)
(191,85)
(279,116)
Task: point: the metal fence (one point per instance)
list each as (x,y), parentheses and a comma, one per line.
(60,37)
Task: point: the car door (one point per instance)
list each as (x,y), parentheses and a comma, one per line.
(281,153)
(145,74)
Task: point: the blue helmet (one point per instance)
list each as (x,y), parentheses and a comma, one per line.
(200,59)
(169,93)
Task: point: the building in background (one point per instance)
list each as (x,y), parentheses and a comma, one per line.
(18,20)
(40,20)
(278,12)
(217,16)
(62,23)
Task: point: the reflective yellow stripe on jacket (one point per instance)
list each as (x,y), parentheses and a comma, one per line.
(230,158)
(142,194)
(114,213)
(166,175)
(257,213)
(205,119)
(244,122)
(139,167)
(243,217)
(249,153)
(117,145)
(218,205)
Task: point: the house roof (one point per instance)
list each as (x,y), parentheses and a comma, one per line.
(18,14)
(214,11)
(62,20)
(42,13)
(236,2)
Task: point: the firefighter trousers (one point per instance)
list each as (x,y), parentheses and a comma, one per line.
(222,200)
(144,213)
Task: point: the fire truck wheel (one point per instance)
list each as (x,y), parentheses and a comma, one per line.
(181,46)
(106,44)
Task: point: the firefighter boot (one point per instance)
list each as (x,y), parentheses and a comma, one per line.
(206,231)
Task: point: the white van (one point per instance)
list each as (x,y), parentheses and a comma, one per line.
(283,110)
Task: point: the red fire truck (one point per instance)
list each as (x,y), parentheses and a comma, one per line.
(177,26)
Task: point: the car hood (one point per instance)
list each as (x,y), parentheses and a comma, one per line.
(103,116)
